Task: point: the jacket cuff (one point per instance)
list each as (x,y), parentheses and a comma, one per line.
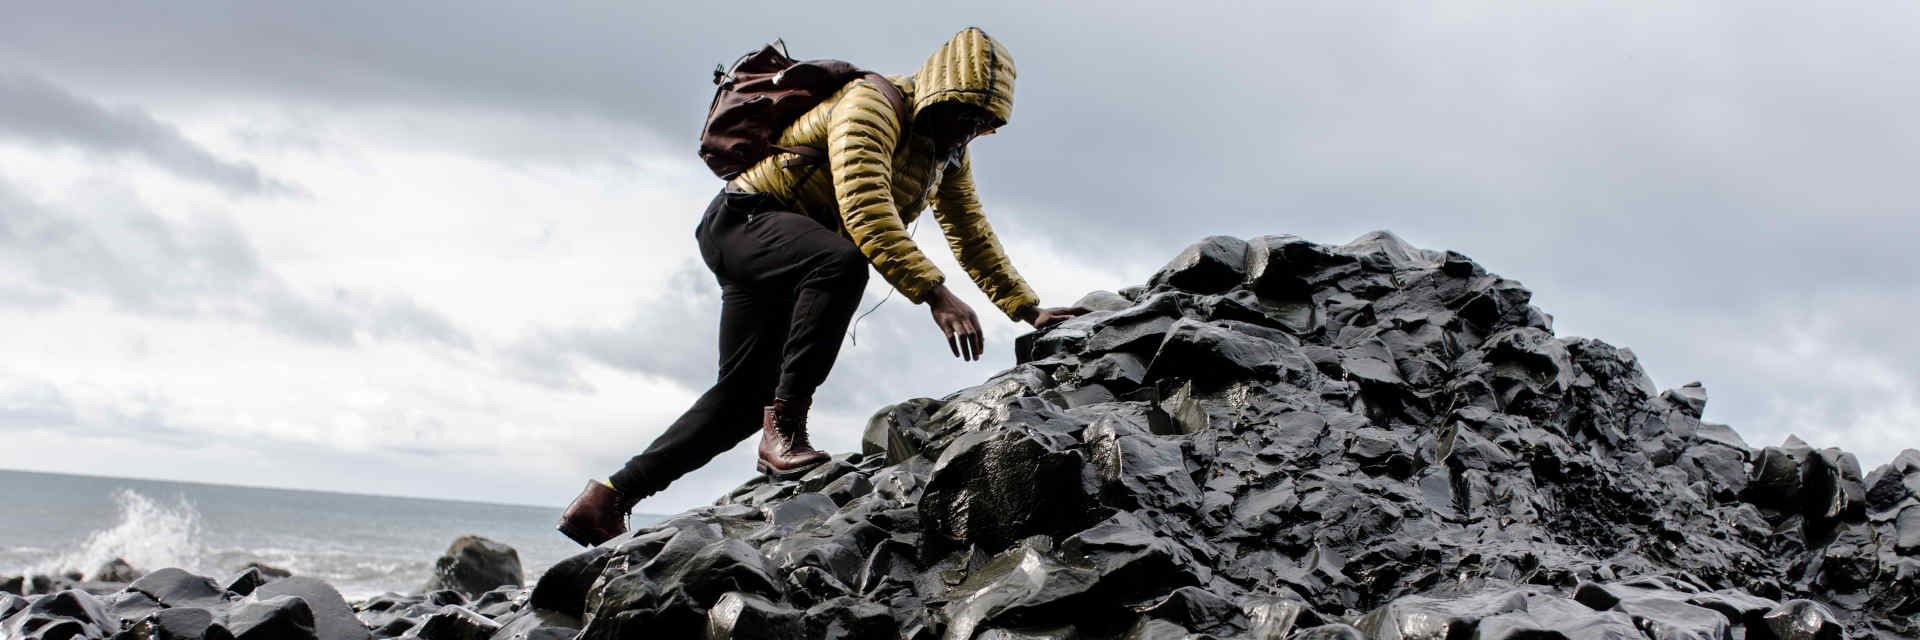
(918,291)
(1014,303)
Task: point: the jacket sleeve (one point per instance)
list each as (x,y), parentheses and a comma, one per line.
(974,244)
(861,136)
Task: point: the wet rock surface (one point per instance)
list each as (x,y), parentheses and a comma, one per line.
(1280,439)
(474,565)
(1272,439)
(266,603)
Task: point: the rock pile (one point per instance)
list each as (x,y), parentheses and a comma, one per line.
(1271,439)
(476,594)
(1279,439)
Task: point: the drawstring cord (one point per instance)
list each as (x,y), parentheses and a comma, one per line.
(853,331)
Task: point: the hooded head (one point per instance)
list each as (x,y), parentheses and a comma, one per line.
(970,69)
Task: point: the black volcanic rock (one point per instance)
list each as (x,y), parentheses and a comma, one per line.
(454,622)
(333,619)
(180,624)
(67,614)
(176,588)
(1289,440)
(116,570)
(564,586)
(279,618)
(474,565)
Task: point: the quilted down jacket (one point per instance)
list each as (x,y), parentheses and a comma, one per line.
(876,180)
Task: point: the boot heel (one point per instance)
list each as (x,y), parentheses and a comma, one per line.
(763,468)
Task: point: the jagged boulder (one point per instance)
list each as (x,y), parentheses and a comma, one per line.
(1282,439)
(474,565)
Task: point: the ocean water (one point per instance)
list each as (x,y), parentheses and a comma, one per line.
(362,545)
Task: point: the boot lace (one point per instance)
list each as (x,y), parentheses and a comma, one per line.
(794,429)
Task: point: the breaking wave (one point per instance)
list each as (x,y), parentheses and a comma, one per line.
(149,533)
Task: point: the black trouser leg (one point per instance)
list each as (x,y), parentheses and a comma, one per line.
(789,287)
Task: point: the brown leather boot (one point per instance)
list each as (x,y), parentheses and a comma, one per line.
(597,515)
(784,451)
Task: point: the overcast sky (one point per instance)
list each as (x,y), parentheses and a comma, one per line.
(445,249)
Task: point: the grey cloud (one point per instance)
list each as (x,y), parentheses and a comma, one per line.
(546,361)
(30,297)
(41,112)
(671,334)
(205,267)
(32,404)
(1546,144)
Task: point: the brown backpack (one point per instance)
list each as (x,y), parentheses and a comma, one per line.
(763,93)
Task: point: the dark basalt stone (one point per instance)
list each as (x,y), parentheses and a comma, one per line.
(177,588)
(69,613)
(178,624)
(744,616)
(1197,609)
(992,488)
(10,603)
(891,432)
(1334,631)
(1213,265)
(474,565)
(246,581)
(1019,587)
(565,585)
(537,624)
(267,571)
(116,570)
(279,618)
(332,618)
(454,622)
(1797,620)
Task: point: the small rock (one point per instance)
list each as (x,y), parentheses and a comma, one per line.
(1210,266)
(454,622)
(474,565)
(116,570)
(744,616)
(1799,620)
(279,618)
(176,588)
(329,615)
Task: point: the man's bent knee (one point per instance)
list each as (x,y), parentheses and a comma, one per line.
(849,266)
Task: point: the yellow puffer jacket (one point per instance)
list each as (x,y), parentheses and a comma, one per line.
(874,183)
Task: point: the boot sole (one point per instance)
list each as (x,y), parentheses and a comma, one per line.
(790,474)
(576,536)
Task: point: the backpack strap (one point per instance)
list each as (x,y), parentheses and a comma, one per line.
(893,96)
(813,155)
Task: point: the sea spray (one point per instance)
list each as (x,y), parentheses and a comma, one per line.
(149,535)
(363,545)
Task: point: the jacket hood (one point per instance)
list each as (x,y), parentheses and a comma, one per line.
(972,69)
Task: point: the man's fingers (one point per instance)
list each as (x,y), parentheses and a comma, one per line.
(979,342)
(947,328)
(968,334)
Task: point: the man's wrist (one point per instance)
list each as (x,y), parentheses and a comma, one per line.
(1027,313)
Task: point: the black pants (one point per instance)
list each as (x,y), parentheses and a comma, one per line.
(788,288)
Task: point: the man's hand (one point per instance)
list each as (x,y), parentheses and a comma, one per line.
(1042,318)
(957,321)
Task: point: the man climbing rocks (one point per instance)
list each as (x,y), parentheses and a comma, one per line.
(790,243)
